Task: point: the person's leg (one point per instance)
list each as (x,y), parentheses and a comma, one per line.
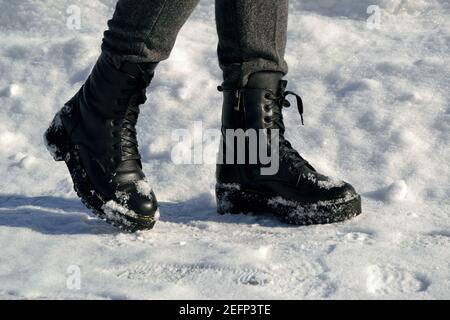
(252,38)
(95,132)
(145,30)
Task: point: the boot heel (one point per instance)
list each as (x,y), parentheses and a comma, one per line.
(56,139)
(232,199)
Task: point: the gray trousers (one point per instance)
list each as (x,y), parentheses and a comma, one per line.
(252,34)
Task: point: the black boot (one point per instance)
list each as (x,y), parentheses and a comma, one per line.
(296,192)
(95,134)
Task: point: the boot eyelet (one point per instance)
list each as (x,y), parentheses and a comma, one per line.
(267,120)
(267,108)
(267,95)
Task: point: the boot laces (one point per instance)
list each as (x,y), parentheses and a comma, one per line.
(287,152)
(133,98)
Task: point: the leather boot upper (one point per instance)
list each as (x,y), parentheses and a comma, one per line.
(102,125)
(260,108)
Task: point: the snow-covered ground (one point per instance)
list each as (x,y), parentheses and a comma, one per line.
(377,113)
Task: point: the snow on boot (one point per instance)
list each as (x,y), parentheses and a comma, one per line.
(95,134)
(295,192)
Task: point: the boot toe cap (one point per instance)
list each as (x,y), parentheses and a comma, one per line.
(346,190)
(144,206)
(142,201)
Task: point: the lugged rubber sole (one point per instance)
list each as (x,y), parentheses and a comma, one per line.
(231,198)
(61,148)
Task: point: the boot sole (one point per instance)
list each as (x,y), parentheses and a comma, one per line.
(61,148)
(231,198)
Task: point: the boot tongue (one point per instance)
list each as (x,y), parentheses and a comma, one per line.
(265,80)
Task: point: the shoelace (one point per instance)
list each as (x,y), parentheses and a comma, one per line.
(134,97)
(287,152)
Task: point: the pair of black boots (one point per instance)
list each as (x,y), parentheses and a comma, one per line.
(95,134)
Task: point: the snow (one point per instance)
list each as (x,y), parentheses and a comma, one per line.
(111,208)
(397,191)
(377,113)
(143,187)
(330,183)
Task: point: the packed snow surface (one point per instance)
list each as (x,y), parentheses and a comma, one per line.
(377,114)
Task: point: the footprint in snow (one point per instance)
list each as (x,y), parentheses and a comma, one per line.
(390,280)
(359,235)
(434,238)
(254,278)
(177,272)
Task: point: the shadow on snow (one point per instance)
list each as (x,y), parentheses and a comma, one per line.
(67,216)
